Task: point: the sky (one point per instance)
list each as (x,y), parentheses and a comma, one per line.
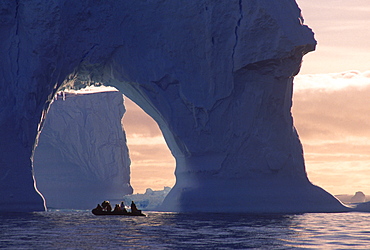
(152,164)
(342,32)
(330,106)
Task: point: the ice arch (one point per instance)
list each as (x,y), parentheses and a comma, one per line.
(217,76)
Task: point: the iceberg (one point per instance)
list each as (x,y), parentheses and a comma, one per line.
(216,76)
(82,150)
(151,200)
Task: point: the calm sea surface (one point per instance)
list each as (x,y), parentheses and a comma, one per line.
(82,230)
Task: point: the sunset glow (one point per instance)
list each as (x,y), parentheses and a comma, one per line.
(152,165)
(342,32)
(331,114)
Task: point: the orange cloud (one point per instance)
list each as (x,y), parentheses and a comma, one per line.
(152,164)
(341,29)
(138,121)
(331,114)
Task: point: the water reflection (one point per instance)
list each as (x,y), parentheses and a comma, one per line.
(217,230)
(81,229)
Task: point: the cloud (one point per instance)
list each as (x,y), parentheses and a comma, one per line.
(332,115)
(348,80)
(137,121)
(330,11)
(140,139)
(333,106)
(152,164)
(343,178)
(341,29)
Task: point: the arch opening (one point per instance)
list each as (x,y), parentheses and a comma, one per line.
(219,161)
(152,165)
(83,156)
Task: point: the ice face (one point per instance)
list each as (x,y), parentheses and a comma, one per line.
(82,157)
(216,76)
(150,200)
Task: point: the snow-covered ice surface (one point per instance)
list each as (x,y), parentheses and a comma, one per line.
(82,150)
(148,201)
(217,77)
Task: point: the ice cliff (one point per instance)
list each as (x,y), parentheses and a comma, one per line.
(82,157)
(217,76)
(149,201)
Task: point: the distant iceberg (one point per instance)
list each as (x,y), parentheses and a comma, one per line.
(362,207)
(82,157)
(151,200)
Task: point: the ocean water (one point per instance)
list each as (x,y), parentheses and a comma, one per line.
(83,230)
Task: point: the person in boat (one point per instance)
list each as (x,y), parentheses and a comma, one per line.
(134,209)
(123,209)
(99,208)
(106,206)
(117,209)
